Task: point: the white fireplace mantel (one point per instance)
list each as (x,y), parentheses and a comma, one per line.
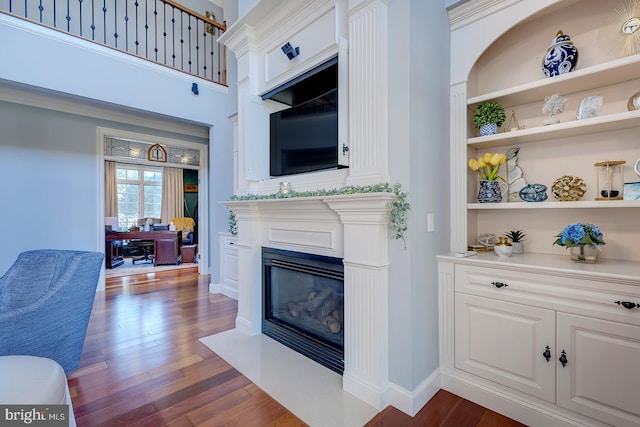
(353,227)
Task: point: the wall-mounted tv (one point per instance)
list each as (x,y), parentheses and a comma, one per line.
(304,138)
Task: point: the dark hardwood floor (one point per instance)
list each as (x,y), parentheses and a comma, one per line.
(142,365)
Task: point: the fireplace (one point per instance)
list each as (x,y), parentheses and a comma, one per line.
(303,297)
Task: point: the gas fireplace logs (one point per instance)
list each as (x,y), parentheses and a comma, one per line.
(325,307)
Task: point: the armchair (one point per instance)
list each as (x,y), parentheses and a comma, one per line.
(46,298)
(186,225)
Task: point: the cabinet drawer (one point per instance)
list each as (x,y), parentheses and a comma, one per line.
(593,297)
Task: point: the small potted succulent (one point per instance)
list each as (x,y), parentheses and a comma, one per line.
(516,237)
(488,117)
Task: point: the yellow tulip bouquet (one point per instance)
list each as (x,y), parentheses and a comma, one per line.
(488,165)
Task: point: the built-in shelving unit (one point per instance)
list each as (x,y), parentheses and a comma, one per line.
(532,335)
(570,147)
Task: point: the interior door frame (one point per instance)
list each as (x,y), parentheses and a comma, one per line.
(202,211)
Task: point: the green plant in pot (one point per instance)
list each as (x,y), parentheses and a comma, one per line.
(488,117)
(516,237)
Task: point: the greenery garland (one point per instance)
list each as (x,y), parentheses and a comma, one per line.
(398,214)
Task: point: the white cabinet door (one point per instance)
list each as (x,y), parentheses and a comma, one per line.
(601,378)
(504,342)
(229,266)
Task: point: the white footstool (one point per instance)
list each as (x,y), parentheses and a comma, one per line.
(31,380)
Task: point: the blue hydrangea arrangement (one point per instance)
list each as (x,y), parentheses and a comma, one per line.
(580,234)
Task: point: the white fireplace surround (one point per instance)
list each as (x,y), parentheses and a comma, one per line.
(353,227)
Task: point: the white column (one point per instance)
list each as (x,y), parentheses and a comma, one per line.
(249,316)
(459,170)
(368,92)
(365,219)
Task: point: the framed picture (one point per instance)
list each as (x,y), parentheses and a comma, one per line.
(631,191)
(191,188)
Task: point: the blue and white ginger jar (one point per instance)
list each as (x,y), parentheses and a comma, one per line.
(561,57)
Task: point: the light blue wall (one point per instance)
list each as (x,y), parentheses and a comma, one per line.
(49,179)
(81,73)
(419,160)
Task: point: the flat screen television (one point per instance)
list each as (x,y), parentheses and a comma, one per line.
(304,138)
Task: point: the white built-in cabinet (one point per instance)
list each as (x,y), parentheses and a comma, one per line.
(542,345)
(498,316)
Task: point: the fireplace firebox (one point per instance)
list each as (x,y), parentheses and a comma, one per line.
(303,297)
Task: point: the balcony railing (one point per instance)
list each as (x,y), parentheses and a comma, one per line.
(160,31)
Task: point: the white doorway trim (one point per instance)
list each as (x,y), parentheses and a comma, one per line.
(203,188)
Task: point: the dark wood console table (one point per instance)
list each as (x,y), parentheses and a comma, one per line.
(166,244)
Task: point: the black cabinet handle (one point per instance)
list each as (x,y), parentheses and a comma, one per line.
(547,354)
(499,284)
(563,359)
(628,304)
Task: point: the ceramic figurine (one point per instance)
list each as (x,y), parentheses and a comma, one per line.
(561,57)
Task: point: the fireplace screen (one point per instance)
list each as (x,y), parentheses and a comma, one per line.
(304,304)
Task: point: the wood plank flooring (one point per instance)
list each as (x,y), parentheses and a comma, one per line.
(142,365)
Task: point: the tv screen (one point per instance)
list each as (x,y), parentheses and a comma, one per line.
(304,138)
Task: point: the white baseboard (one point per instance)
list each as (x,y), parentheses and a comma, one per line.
(215,288)
(512,404)
(411,401)
(226,290)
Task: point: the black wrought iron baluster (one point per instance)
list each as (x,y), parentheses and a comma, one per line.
(126,25)
(41,8)
(197,47)
(189,44)
(204,51)
(80,17)
(155,32)
(137,4)
(164,31)
(173,35)
(182,40)
(55,14)
(104,20)
(219,57)
(68,17)
(93,20)
(115,23)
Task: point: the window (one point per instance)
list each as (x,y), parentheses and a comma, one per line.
(139,193)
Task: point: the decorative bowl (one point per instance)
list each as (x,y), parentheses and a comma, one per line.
(533,193)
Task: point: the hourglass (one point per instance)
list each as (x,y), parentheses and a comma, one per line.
(610,179)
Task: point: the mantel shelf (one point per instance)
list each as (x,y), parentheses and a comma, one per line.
(606,123)
(556,205)
(619,70)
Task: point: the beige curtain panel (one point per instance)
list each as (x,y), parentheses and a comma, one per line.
(110,190)
(172,194)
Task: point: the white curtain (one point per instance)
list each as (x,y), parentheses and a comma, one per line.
(110,190)
(172,194)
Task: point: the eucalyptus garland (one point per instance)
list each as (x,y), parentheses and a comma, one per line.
(398,213)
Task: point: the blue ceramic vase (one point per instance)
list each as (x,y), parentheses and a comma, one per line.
(491,191)
(561,56)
